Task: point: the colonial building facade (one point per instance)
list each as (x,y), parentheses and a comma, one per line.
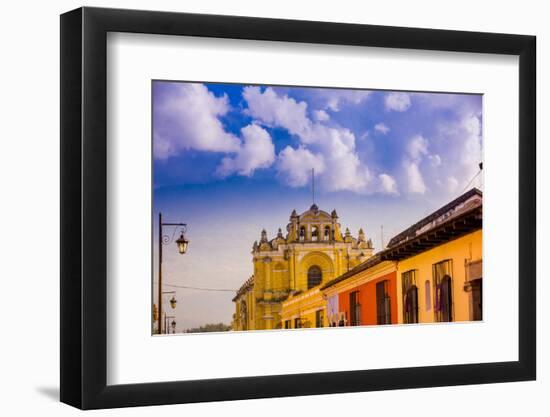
(312,252)
(430,272)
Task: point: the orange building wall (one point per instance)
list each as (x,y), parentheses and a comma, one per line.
(367,299)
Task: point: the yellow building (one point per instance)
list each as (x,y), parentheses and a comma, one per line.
(439,264)
(304,310)
(313,251)
(431,272)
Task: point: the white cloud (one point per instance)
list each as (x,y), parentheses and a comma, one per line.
(274,110)
(452,184)
(344,171)
(471,126)
(381,128)
(189,119)
(397,101)
(418,147)
(415,182)
(321,115)
(295,165)
(334,146)
(388,184)
(435,160)
(257,151)
(462,140)
(334,97)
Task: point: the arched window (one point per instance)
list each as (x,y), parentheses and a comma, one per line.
(302,233)
(428,295)
(410,296)
(314,276)
(327,233)
(443,297)
(314,233)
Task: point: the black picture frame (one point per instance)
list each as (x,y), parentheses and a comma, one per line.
(84,207)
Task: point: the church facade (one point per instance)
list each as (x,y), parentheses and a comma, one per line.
(312,252)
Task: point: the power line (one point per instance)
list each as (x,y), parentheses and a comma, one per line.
(472,180)
(198,288)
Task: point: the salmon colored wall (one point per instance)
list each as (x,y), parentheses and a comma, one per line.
(367,299)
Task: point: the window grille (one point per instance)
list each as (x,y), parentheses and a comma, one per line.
(443,290)
(383,303)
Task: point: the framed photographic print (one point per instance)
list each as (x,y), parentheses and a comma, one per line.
(258,208)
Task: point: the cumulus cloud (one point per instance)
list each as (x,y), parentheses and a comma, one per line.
(415,182)
(388,184)
(321,115)
(397,101)
(418,147)
(257,151)
(274,110)
(381,128)
(295,165)
(342,169)
(334,98)
(416,150)
(462,139)
(189,119)
(435,160)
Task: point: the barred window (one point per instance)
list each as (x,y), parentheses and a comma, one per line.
(443,290)
(383,303)
(355,309)
(410,296)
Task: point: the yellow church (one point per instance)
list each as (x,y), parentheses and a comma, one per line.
(313,251)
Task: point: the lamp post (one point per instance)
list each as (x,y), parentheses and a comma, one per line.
(182,244)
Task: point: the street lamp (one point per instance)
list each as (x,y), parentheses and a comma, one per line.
(173,326)
(173,302)
(182,244)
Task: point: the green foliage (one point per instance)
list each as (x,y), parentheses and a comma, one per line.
(211,327)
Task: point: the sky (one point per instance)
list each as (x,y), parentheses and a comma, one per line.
(232,159)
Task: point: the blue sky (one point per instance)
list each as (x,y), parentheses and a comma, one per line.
(231,159)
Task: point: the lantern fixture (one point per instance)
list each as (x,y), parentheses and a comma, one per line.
(173,326)
(173,302)
(182,243)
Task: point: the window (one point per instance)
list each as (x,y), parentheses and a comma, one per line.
(244,316)
(477,299)
(314,233)
(383,305)
(474,285)
(297,323)
(428,295)
(327,233)
(287,324)
(319,318)
(443,297)
(314,276)
(302,233)
(410,296)
(355,309)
